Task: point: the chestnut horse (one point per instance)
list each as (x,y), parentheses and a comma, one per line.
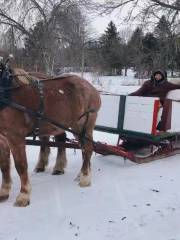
(66,98)
(61,161)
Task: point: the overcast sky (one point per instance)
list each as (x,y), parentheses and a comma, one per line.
(99,23)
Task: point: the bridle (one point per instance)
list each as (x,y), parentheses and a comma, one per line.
(6,91)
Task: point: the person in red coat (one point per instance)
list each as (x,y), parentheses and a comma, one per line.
(157,86)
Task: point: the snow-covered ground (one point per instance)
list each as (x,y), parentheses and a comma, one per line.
(125,202)
(113,83)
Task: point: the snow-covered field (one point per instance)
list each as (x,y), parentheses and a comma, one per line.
(125,202)
(113,84)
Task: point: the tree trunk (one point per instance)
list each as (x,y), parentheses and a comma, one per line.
(125,71)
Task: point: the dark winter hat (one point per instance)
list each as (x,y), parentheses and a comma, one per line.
(163,74)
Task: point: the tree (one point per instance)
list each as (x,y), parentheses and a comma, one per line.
(72,23)
(150,50)
(111,48)
(143,10)
(162,30)
(54,25)
(167,43)
(134,47)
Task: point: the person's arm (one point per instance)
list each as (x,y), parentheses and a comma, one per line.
(141,91)
(174,86)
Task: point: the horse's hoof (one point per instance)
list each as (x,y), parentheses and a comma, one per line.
(22,200)
(38,170)
(21,204)
(85,180)
(84,185)
(4,198)
(57,172)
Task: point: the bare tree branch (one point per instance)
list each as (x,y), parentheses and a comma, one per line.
(175,6)
(142,10)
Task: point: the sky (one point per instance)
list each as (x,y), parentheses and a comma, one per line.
(99,23)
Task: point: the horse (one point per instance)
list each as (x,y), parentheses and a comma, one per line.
(67,99)
(24,77)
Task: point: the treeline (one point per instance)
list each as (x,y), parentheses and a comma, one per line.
(144,51)
(59,40)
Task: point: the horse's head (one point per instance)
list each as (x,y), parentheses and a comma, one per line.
(7,74)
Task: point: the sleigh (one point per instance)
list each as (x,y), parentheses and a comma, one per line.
(135,121)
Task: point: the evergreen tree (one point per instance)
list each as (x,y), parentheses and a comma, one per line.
(150,50)
(163,29)
(134,47)
(111,49)
(135,43)
(163,33)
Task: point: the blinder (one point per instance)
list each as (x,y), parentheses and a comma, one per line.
(5,84)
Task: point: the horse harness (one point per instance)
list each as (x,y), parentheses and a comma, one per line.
(6,78)
(5,84)
(38,85)
(5,100)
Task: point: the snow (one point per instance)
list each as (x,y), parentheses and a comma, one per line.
(125,202)
(174,95)
(113,84)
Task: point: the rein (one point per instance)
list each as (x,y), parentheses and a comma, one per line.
(41,116)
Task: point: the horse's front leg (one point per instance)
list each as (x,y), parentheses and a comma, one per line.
(5,169)
(19,155)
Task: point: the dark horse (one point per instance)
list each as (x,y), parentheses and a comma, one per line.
(66,99)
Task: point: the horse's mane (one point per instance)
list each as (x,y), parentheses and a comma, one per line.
(22,77)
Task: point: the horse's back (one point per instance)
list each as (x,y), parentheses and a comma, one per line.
(76,85)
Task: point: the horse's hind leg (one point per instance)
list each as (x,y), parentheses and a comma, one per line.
(43,156)
(19,155)
(87,150)
(5,169)
(61,160)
